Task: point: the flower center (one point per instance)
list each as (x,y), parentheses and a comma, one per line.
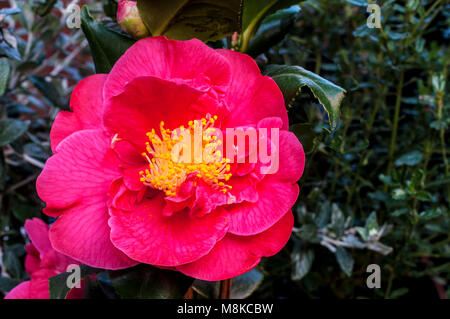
(176,154)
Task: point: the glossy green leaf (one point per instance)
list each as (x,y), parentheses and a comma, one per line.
(371,223)
(291,79)
(207,20)
(146,282)
(272,30)
(345,260)
(244,285)
(409,159)
(302,259)
(432,213)
(107,46)
(254,12)
(4,74)
(11,129)
(58,284)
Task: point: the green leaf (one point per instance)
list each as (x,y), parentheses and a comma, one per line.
(399,212)
(371,223)
(424,196)
(146,282)
(362,231)
(308,232)
(302,259)
(254,12)
(4,74)
(409,159)
(207,20)
(7,284)
(10,11)
(399,194)
(23,211)
(9,51)
(306,135)
(291,79)
(272,30)
(49,91)
(107,46)
(11,260)
(431,213)
(345,260)
(45,7)
(10,130)
(244,285)
(399,292)
(58,284)
(337,220)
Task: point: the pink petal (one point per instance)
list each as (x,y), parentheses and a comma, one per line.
(251,96)
(291,158)
(32,259)
(146,235)
(235,255)
(37,230)
(82,233)
(275,199)
(83,167)
(145,102)
(21,291)
(87,106)
(191,62)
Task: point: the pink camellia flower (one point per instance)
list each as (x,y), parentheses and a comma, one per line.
(41,263)
(122,199)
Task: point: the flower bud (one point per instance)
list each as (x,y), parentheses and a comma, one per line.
(130,20)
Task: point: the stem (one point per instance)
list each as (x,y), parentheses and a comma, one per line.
(225,289)
(398,103)
(440,103)
(189,293)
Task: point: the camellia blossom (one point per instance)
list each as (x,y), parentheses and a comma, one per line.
(130,20)
(121,199)
(41,263)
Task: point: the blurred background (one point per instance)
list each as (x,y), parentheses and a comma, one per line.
(375,191)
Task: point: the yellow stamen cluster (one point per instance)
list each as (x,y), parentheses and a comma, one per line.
(165,169)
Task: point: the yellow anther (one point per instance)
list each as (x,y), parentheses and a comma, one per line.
(167,173)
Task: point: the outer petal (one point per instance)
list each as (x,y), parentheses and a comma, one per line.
(146,102)
(235,255)
(275,199)
(83,167)
(82,233)
(21,291)
(191,62)
(291,158)
(146,235)
(87,106)
(32,289)
(75,184)
(251,96)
